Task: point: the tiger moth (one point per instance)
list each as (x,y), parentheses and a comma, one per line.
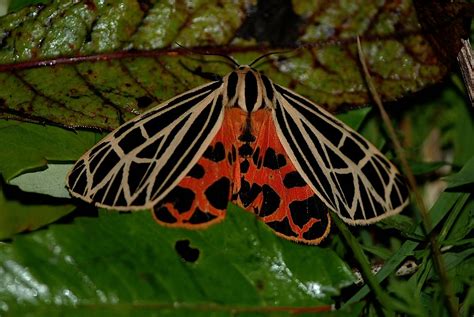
(246,140)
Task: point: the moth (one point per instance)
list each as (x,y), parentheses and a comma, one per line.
(246,140)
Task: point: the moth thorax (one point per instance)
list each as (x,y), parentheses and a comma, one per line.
(247,89)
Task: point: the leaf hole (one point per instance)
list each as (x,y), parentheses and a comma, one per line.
(185,251)
(144,101)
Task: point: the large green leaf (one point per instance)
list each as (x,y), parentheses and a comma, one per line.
(44,81)
(127,262)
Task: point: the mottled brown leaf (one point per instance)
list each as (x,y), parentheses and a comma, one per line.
(97,64)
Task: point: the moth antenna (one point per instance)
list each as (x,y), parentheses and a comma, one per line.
(268,54)
(234,62)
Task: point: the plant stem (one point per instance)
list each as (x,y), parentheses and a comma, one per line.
(436,254)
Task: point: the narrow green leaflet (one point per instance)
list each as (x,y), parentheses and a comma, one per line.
(464,177)
(128,261)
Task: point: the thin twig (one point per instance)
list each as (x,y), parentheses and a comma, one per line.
(437,258)
(466,63)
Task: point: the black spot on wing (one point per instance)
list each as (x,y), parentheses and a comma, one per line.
(244,166)
(319,228)
(99,195)
(181,198)
(383,172)
(247,193)
(137,174)
(163,214)
(121,199)
(402,187)
(365,203)
(271,201)
(395,196)
(77,179)
(383,160)
(126,126)
(218,193)
(360,139)
(131,140)
(99,147)
(247,135)
(234,153)
(140,200)
(293,179)
(197,171)
(215,153)
(344,212)
(272,160)
(371,173)
(373,211)
(256,155)
(108,162)
(245,150)
(346,183)
(352,150)
(334,159)
(98,155)
(150,151)
(303,211)
(282,227)
(200,217)
(317,144)
(114,189)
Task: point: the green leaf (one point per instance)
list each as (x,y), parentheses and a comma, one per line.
(19,214)
(89,91)
(27,146)
(15,5)
(48,182)
(464,177)
(421,168)
(135,264)
(354,118)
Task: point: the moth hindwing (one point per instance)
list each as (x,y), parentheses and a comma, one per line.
(246,140)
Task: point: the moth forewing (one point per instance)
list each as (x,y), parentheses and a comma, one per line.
(348,174)
(150,140)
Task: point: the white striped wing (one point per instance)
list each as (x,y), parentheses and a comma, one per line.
(135,166)
(348,173)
